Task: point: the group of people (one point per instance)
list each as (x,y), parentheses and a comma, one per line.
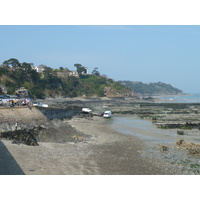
(15,102)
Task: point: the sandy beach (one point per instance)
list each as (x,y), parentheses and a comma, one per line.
(107,153)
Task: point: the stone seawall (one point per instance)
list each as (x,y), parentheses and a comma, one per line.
(56,113)
(35,125)
(25,118)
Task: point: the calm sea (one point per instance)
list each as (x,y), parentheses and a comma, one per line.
(188,98)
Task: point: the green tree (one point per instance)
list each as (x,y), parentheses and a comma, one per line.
(12,62)
(4,69)
(11,87)
(73,82)
(77,65)
(81,70)
(96,72)
(100,91)
(26,67)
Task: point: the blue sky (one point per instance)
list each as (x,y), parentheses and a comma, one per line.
(169,54)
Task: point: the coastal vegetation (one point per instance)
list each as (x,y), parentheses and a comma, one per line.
(43,81)
(158,88)
(61,82)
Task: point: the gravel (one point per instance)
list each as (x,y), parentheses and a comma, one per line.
(107,152)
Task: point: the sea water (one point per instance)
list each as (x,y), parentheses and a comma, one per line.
(132,125)
(187,98)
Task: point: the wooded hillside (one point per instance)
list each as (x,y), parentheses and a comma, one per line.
(57,82)
(151,88)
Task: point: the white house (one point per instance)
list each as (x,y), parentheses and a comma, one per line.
(40,68)
(73,73)
(86,73)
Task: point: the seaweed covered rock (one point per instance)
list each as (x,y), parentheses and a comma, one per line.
(57,131)
(25,136)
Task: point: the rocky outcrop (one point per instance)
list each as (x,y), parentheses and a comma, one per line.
(25,136)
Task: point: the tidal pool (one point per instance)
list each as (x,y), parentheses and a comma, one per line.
(143,128)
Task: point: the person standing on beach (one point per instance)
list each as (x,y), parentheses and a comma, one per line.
(16,125)
(13,103)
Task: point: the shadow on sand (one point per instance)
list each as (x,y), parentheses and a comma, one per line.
(8,165)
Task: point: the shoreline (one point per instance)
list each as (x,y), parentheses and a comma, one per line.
(107,153)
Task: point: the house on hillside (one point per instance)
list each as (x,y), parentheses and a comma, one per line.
(86,71)
(74,73)
(22,91)
(40,68)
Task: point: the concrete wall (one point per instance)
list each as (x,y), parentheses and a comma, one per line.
(26,118)
(30,118)
(56,113)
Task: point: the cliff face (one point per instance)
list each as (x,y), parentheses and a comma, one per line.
(25,118)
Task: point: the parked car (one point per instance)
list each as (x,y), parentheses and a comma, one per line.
(101,114)
(40,104)
(107,114)
(35,103)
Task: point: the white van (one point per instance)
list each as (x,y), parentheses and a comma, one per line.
(86,110)
(107,114)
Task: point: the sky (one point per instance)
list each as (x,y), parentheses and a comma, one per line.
(146,53)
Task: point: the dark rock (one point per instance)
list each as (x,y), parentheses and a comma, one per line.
(25,136)
(163,148)
(180,132)
(180,142)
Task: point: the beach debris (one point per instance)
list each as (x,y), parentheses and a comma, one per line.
(77,138)
(192,148)
(163,148)
(180,142)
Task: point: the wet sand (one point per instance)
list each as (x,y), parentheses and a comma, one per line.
(107,153)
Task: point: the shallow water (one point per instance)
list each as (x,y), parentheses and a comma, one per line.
(153,136)
(142,128)
(189,98)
